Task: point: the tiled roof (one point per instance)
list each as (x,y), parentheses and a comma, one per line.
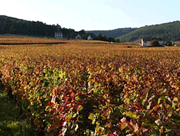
(150,39)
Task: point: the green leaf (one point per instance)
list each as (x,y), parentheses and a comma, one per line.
(91,116)
(87,131)
(143,101)
(131,115)
(77,98)
(159,100)
(70,116)
(93,122)
(45,71)
(96,84)
(47,99)
(161,130)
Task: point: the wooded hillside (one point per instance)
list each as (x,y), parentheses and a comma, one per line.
(113,33)
(167,31)
(10,25)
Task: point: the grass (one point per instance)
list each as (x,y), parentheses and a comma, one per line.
(10,123)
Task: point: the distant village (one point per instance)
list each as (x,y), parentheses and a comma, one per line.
(87,36)
(147,42)
(59,35)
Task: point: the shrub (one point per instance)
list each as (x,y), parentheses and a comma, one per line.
(155,43)
(168,43)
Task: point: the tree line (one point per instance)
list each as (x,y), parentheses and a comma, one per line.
(10,25)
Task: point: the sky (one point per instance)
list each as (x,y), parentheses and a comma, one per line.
(93,14)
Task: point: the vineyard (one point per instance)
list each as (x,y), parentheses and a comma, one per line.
(93,88)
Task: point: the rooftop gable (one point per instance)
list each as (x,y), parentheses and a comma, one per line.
(150,39)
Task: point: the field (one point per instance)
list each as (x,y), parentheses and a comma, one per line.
(93,88)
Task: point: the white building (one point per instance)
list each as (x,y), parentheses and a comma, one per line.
(89,38)
(78,36)
(147,41)
(58,35)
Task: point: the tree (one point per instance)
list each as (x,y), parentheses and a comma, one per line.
(99,36)
(58,26)
(103,38)
(168,43)
(82,32)
(154,43)
(117,40)
(111,39)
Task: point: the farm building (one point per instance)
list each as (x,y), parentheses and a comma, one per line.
(78,36)
(58,35)
(89,38)
(147,41)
